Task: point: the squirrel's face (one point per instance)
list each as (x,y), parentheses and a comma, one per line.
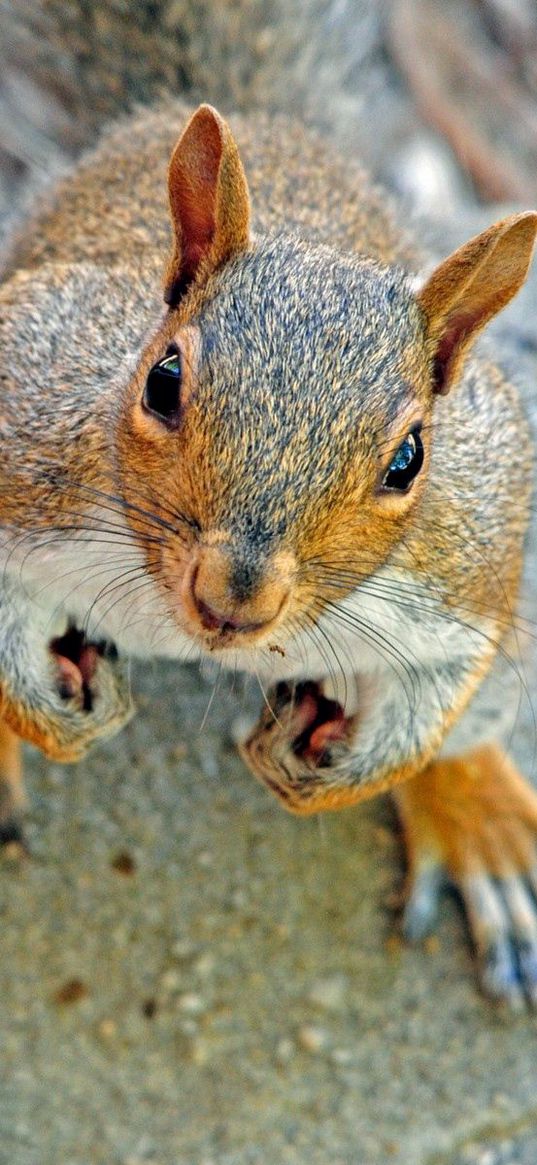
(283,434)
(279,424)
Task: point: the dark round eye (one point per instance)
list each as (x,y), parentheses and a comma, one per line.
(162,393)
(406,464)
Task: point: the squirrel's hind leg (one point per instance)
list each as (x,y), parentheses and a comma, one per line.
(472,821)
(12,798)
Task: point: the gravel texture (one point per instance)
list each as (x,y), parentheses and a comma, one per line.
(191,977)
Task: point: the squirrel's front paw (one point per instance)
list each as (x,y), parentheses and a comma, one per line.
(70,693)
(90,697)
(472,822)
(295,747)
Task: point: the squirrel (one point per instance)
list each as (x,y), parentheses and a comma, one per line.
(251,429)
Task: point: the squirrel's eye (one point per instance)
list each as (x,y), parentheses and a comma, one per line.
(406,464)
(162,394)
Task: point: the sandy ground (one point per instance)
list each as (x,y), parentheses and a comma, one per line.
(191,977)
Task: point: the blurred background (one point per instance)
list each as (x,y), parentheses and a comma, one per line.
(440,96)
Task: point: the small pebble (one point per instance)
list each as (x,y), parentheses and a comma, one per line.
(342,1056)
(71,991)
(199,1052)
(184,949)
(205,965)
(189,1028)
(149,1008)
(124,863)
(312,1039)
(178,752)
(171,981)
(107,1029)
(285,1049)
(192,1003)
(329,994)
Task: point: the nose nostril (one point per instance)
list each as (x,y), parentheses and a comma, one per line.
(211,619)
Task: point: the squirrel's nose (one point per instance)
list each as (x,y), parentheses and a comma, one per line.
(214,601)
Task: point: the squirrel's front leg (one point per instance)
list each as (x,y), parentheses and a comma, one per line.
(314,757)
(60,694)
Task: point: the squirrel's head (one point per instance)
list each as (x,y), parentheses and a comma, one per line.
(279,425)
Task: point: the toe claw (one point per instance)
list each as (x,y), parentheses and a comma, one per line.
(499,974)
(527,957)
(421,908)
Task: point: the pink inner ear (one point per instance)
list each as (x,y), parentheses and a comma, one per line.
(194,250)
(193,186)
(455,334)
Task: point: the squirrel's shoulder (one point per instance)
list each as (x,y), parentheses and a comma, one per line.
(112,206)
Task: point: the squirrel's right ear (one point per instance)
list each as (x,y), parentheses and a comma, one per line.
(470,287)
(209,202)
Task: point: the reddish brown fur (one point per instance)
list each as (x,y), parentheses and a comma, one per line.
(471,286)
(473,813)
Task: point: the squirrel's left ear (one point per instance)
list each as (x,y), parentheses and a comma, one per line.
(470,287)
(209,201)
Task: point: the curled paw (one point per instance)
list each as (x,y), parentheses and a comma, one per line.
(472,823)
(295,747)
(90,697)
(77,661)
(70,693)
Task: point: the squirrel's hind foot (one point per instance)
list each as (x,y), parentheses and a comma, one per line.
(471,822)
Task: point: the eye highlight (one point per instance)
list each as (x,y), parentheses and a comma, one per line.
(406,463)
(162,393)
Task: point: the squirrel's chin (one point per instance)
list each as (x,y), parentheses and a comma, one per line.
(267,659)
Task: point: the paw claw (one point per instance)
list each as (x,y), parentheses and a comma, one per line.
(503,922)
(296,747)
(317,723)
(527,954)
(499,975)
(421,908)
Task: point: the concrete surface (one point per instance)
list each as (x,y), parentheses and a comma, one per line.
(191,977)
